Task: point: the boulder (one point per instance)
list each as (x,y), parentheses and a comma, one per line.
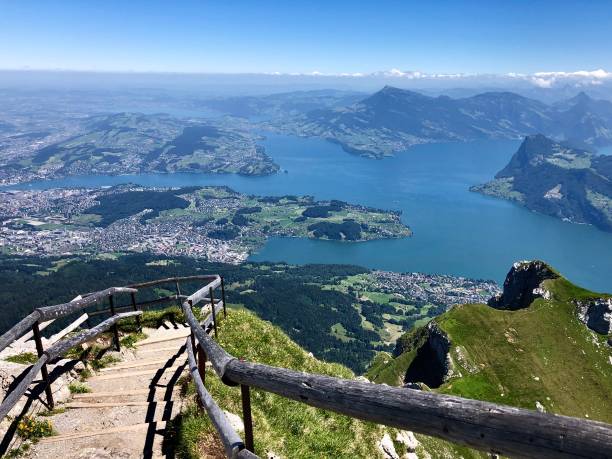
(407,438)
(387,448)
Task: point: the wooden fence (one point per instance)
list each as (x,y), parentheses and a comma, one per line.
(497,429)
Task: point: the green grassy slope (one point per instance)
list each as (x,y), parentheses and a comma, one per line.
(285,427)
(542,353)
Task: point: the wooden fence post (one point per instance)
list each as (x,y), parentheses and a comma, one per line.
(135,308)
(223,297)
(44,372)
(111,301)
(212,307)
(192,335)
(245,392)
(202,363)
(178,292)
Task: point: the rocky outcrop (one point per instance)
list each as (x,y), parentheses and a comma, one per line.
(432,364)
(596,314)
(523,284)
(387,448)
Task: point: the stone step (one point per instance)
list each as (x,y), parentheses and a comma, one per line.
(164,337)
(116,394)
(159,349)
(135,364)
(130,374)
(76,405)
(86,416)
(152,379)
(157,425)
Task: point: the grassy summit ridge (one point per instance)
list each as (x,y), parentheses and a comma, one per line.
(540,355)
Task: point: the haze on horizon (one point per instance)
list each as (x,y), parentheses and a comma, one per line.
(445,40)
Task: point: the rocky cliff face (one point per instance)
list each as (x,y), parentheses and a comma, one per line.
(523,285)
(432,364)
(596,314)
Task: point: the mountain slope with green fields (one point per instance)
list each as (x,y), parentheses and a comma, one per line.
(554,179)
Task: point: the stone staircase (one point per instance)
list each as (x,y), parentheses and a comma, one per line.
(125,414)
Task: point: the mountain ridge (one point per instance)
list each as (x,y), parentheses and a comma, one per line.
(394,119)
(531,347)
(554,179)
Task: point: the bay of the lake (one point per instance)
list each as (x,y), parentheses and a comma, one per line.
(455,231)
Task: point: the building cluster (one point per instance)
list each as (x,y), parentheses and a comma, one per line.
(51,222)
(436,289)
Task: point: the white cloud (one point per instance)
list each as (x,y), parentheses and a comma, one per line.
(577,78)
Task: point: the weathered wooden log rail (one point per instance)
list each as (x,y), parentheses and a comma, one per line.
(34,322)
(485,426)
(55,351)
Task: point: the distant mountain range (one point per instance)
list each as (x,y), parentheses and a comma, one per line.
(393,119)
(554,179)
(281,105)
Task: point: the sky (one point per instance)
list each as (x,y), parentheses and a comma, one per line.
(294,36)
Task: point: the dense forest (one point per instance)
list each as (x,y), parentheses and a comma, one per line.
(292,297)
(113,207)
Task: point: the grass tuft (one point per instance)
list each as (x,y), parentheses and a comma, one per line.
(78,388)
(25,358)
(30,428)
(53,412)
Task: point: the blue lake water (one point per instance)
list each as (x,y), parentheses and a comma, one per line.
(455,231)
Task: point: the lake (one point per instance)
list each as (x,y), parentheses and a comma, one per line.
(455,231)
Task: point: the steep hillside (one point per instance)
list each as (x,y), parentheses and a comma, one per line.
(543,344)
(553,351)
(394,119)
(282,427)
(554,179)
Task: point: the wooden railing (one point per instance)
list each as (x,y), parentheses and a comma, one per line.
(498,429)
(58,349)
(34,322)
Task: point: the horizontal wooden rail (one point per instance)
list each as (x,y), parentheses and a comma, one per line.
(60,310)
(19,329)
(167,280)
(140,305)
(498,429)
(202,294)
(54,352)
(64,345)
(495,428)
(215,353)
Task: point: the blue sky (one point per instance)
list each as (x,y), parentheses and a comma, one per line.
(293,36)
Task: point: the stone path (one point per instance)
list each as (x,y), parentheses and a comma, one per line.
(125,414)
